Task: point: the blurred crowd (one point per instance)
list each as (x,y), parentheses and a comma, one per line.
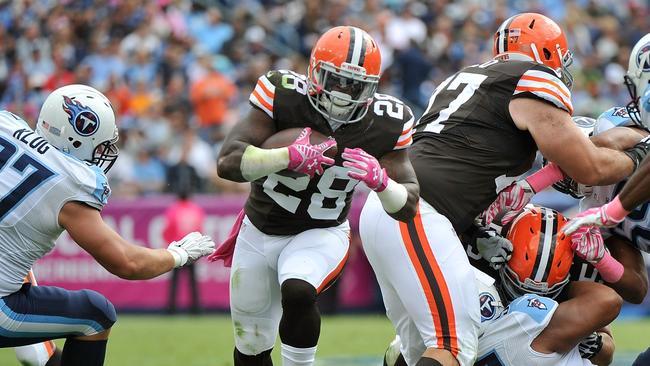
(179,72)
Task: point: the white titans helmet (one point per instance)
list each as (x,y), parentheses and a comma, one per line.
(79,120)
(638,76)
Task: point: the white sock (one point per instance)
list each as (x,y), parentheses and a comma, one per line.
(292,356)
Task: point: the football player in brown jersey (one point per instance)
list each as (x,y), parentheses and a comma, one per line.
(293,240)
(482,128)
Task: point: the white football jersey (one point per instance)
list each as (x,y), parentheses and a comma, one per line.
(36,180)
(636,227)
(507,339)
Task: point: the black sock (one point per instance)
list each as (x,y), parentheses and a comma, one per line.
(55,359)
(83,353)
(300,322)
(643,359)
(263,359)
(400,361)
(426,361)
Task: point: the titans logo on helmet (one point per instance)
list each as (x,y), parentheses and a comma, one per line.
(645,49)
(535,303)
(488,310)
(84,121)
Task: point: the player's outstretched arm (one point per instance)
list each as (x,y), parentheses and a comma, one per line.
(123,259)
(590,306)
(561,142)
(240,159)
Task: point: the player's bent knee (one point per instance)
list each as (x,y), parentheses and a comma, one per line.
(248,292)
(297,294)
(102,311)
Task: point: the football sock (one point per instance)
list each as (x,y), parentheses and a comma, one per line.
(426,361)
(292,356)
(643,359)
(263,359)
(300,322)
(400,361)
(83,353)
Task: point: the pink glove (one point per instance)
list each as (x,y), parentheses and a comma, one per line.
(307,158)
(510,201)
(587,243)
(608,215)
(365,168)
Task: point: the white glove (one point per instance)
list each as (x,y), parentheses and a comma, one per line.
(493,247)
(190,248)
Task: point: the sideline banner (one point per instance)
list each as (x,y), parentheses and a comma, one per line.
(141,221)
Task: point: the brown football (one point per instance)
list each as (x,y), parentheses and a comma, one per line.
(287,137)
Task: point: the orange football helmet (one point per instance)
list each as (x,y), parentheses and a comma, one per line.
(535,37)
(343,74)
(541,256)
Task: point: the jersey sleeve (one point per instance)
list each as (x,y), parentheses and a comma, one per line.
(405,139)
(613,117)
(537,312)
(544,85)
(93,188)
(263,95)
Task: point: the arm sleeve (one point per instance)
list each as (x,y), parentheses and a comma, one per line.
(263,95)
(405,139)
(544,85)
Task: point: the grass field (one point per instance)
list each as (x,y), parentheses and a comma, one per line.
(345,341)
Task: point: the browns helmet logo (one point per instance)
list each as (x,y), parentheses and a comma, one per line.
(84,121)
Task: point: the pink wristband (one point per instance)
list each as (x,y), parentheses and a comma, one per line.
(545,177)
(610,269)
(615,210)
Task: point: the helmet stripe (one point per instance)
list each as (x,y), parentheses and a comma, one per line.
(356,45)
(546,243)
(549,262)
(503,31)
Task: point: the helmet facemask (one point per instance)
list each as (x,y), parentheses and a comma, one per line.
(512,287)
(342,95)
(106,153)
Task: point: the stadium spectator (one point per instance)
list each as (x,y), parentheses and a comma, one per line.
(181,218)
(133,50)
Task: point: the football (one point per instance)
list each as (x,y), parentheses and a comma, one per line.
(287,137)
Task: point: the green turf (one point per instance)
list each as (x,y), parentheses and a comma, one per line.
(207,340)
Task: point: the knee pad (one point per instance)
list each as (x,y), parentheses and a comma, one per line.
(297,294)
(102,310)
(249,293)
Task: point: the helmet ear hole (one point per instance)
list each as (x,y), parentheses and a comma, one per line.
(76,144)
(547,53)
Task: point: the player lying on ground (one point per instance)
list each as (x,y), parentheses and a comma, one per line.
(294,238)
(483,127)
(53,180)
(535,329)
